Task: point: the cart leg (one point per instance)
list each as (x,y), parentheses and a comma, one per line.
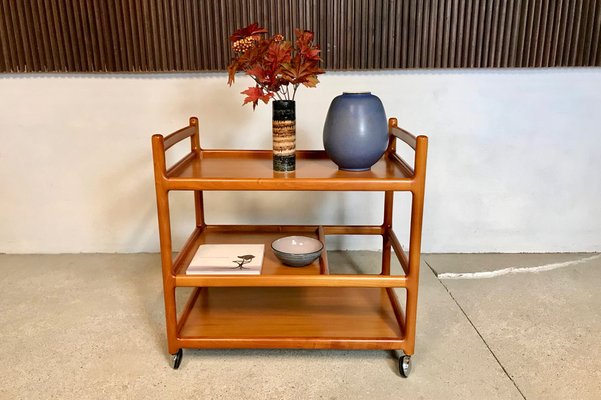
(412,281)
(167,269)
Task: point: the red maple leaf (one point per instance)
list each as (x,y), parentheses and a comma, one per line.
(251,30)
(231,72)
(279,53)
(303,37)
(304,42)
(261,75)
(254,94)
(305,73)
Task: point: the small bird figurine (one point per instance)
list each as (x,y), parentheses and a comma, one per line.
(245,259)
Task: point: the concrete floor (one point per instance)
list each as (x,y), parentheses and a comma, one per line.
(91,326)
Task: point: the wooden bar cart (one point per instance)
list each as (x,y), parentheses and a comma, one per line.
(285,307)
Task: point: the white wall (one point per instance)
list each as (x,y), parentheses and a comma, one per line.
(513,163)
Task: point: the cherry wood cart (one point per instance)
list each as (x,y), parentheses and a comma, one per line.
(285,307)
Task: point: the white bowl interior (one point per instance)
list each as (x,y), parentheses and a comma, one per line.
(297,245)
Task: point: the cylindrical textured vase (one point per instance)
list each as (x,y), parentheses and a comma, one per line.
(355,134)
(284,135)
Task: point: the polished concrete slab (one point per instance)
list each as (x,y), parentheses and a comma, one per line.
(91,326)
(544,327)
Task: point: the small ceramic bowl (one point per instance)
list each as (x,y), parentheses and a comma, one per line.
(297,251)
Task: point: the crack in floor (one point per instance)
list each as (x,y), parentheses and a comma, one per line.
(477,331)
(512,270)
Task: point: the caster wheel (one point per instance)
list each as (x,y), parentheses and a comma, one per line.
(405,366)
(176,359)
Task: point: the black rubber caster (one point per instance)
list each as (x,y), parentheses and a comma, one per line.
(405,366)
(176,359)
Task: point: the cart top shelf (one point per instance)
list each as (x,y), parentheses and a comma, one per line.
(203,169)
(252,170)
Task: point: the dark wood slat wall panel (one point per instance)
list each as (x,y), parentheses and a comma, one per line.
(192,35)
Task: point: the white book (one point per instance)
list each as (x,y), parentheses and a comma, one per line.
(227,259)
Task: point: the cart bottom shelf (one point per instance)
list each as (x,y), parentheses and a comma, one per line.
(295,317)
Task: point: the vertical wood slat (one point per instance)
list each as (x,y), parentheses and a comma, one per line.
(26,40)
(190,35)
(17,44)
(596,40)
(507,36)
(5,59)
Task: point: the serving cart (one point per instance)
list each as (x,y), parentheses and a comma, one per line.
(285,307)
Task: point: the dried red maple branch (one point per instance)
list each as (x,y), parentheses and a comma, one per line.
(273,63)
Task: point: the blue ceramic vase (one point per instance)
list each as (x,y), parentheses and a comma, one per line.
(355,134)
